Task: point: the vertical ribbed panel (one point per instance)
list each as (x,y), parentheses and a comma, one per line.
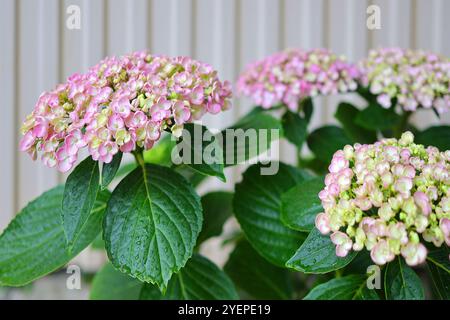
(396,28)
(431,33)
(38,70)
(346,34)
(259,34)
(127,26)
(172,24)
(215,45)
(8,128)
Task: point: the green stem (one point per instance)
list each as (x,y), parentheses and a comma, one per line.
(402,125)
(300,109)
(139,156)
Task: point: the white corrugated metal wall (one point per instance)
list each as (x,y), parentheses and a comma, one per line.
(38,51)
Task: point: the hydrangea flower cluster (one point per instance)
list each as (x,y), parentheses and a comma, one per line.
(414,78)
(119,105)
(386,197)
(289,76)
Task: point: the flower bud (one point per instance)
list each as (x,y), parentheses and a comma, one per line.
(406,138)
(405,154)
(403,185)
(445,227)
(385,212)
(434,235)
(348,152)
(381,253)
(409,207)
(395,203)
(377,197)
(422,202)
(445,204)
(177,130)
(360,237)
(378,228)
(343,243)
(337,164)
(421,222)
(322,223)
(414,253)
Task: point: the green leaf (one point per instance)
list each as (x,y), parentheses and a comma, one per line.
(365,93)
(200,279)
(253,274)
(375,117)
(315,165)
(352,287)
(194,177)
(346,114)
(318,255)
(201,150)
(401,282)
(439,267)
(161,152)
(109,170)
(256,205)
(325,141)
(217,208)
(79,196)
(359,264)
(126,169)
(301,204)
(98,243)
(34,243)
(242,144)
(110,284)
(151,224)
(294,128)
(438,136)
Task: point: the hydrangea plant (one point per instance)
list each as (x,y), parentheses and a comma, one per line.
(383,196)
(372,197)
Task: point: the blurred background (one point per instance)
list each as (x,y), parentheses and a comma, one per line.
(39,49)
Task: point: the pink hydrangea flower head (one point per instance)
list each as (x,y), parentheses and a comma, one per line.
(413,78)
(119,105)
(289,76)
(389,204)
